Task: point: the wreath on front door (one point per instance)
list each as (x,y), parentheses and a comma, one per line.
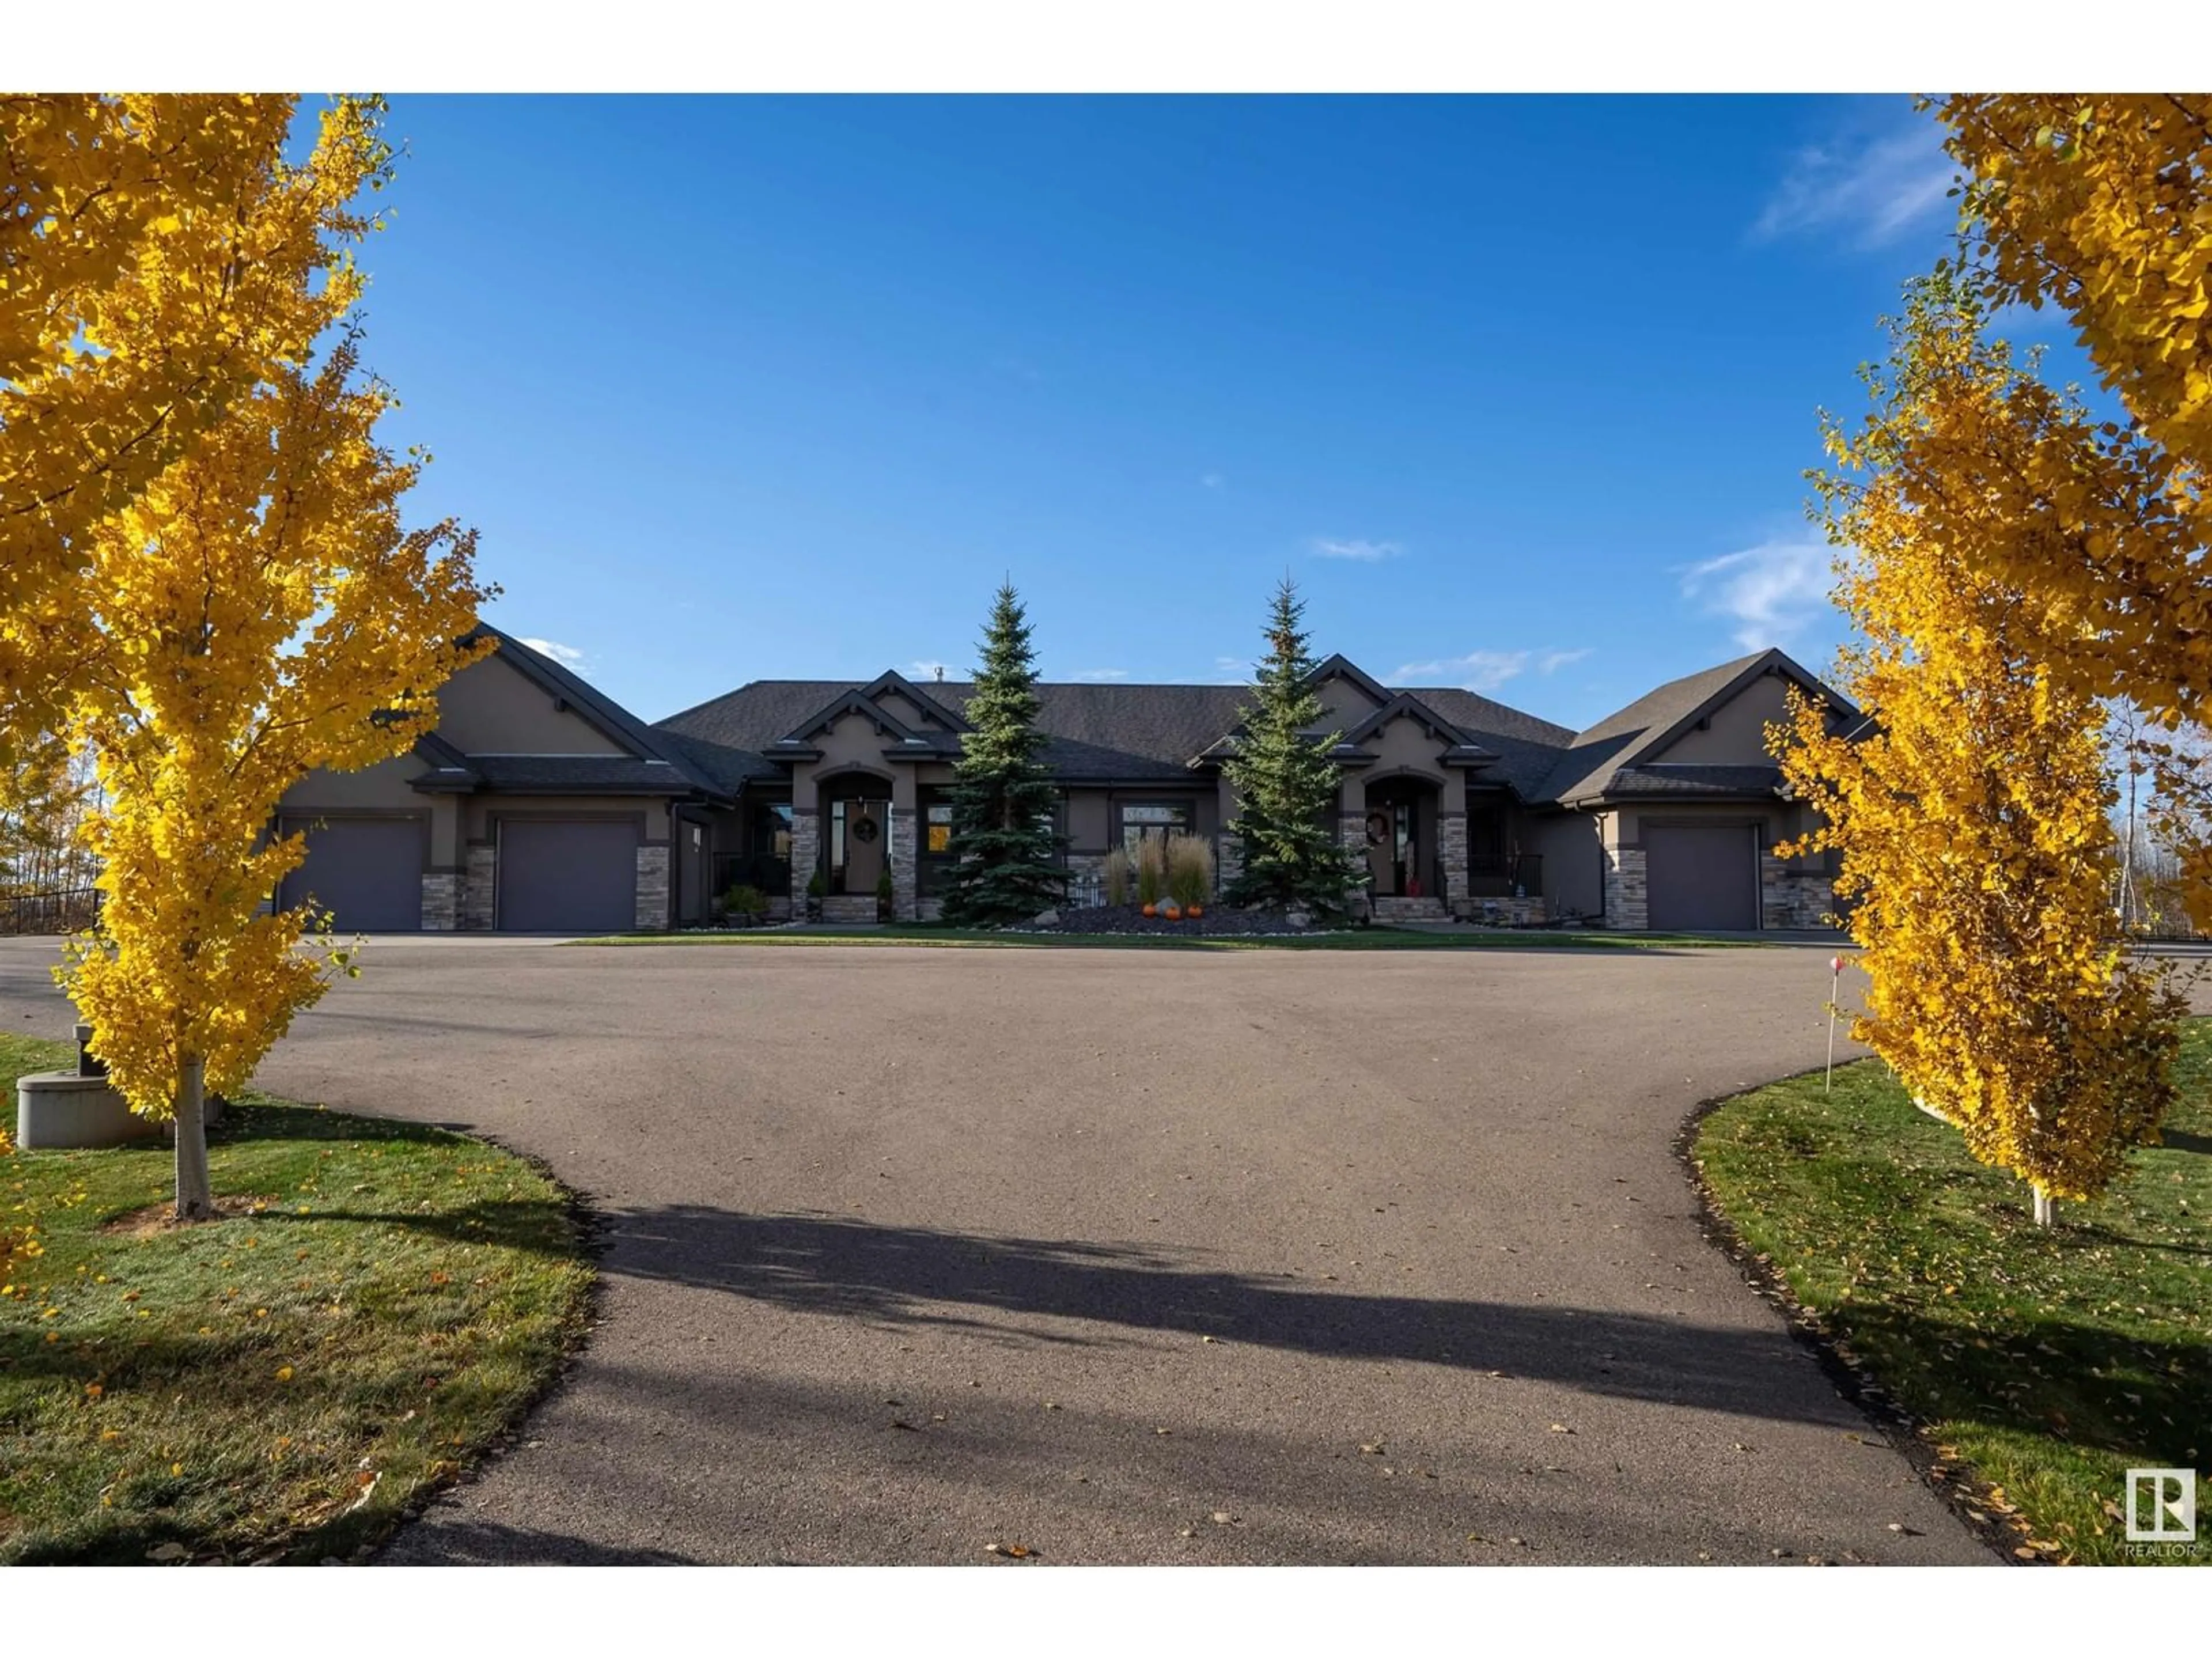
(865,831)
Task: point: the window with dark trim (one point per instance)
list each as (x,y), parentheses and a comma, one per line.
(934,860)
(1154,820)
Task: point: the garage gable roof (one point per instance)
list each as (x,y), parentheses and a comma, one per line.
(1598,760)
(651,765)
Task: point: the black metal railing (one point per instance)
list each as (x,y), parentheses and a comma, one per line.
(67,912)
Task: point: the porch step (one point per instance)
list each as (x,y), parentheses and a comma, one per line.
(1397,907)
(847,908)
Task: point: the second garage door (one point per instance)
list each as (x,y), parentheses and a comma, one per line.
(568,875)
(1701,876)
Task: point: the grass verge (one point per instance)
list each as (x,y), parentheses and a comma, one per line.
(2041,1365)
(287,1383)
(1362,939)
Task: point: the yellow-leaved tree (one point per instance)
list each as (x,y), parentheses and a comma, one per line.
(2102,205)
(159,258)
(1972,813)
(261,612)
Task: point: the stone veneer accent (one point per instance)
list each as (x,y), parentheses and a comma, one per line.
(1791,896)
(652,913)
(903,848)
(1228,860)
(1451,851)
(479,886)
(805,856)
(1626,900)
(848,910)
(1507,912)
(441,902)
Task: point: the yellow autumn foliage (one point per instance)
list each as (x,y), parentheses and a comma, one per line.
(2102,205)
(261,613)
(1972,814)
(159,258)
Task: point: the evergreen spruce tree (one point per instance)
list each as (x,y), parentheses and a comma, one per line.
(1002,836)
(1286,783)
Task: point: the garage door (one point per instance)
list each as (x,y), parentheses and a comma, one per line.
(367,872)
(1701,876)
(567,876)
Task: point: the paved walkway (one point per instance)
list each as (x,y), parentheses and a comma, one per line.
(1381,1256)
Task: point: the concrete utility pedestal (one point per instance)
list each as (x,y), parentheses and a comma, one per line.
(57,1109)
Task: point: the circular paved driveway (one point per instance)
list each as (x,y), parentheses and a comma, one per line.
(1382,1256)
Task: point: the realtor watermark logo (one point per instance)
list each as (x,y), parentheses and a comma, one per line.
(2161,1513)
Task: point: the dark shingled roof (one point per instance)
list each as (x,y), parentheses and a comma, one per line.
(725,769)
(1669,780)
(1118,731)
(582,775)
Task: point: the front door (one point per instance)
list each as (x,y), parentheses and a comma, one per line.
(1393,846)
(859,832)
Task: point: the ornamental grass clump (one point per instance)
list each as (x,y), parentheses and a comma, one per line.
(1189,862)
(1116,874)
(1151,871)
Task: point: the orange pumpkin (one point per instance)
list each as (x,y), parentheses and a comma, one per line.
(1174,914)
(1152,909)
(1195,911)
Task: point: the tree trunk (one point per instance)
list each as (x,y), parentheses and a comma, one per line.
(195,1199)
(2046,1208)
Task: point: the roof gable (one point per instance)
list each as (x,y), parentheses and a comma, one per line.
(1636,736)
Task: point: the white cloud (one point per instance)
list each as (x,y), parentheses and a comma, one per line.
(1364,552)
(1239,669)
(1552,661)
(1871,190)
(1478,671)
(1772,591)
(567,655)
(1100,676)
(1211,480)
(927,668)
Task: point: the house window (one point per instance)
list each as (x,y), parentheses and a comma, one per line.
(772,830)
(934,862)
(1143,821)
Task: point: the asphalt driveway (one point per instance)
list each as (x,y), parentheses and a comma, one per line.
(1127,1256)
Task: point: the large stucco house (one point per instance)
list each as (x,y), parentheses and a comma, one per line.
(540,805)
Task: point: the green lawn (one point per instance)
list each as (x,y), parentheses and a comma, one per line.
(282,1383)
(1358,938)
(2048,1362)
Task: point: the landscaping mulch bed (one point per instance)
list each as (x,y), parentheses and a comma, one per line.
(1214,923)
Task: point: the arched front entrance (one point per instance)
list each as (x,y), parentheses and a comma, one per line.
(856,834)
(1401,838)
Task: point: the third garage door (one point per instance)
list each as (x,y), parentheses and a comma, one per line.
(568,875)
(1701,876)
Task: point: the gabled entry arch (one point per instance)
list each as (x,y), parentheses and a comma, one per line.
(856,829)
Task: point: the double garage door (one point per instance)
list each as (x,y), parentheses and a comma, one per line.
(1701,877)
(555,875)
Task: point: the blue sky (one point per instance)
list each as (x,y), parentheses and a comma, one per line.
(1520,390)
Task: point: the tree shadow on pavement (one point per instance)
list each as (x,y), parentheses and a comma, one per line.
(1010,1289)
